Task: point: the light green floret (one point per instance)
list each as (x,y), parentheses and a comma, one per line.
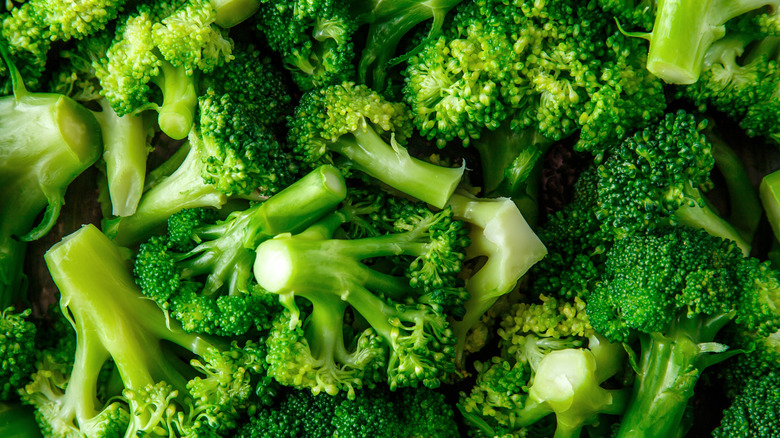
(353,122)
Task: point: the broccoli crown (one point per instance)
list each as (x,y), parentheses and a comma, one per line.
(652,278)
(401,333)
(553,66)
(201,270)
(168,382)
(313,37)
(753,412)
(17,350)
(515,393)
(760,355)
(378,412)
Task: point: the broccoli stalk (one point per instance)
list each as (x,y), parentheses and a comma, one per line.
(408,321)
(684,31)
(201,271)
(769,191)
(172,383)
(17,421)
(348,120)
(498,232)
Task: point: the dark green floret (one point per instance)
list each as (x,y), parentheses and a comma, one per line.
(755,412)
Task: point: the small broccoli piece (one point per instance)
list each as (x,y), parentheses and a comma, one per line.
(499,233)
(201,271)
(172,383)
(741,78)
(166,43)
(658,176)
(672,290)
(373,413)
(349,120)
(314,39)
(17,351)
(405,337)
(551,362)
(682,35)
(231,153)
(754,411)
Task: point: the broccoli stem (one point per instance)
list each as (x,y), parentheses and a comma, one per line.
(669,368)
(685,30)
(125,152)
(233,12)
(769,191)
(702,216)
(393,165)
(180,99)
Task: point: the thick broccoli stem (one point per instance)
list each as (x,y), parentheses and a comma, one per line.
(120,324)
(669,367)
(393,165)
(125,152)
(500,233)
(180,99)
(685,30)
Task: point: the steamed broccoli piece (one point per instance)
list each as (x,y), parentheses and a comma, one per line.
(374,413)
(671,290)
(350,120)
(388,23)
(168,44)
(314,39)
(31,28)
(201,270)
(554,67)
(231,153)
(658,176)
(401,333)
(754,411)
(125,138)
(500,235)
(741,78)
(551,362)
(682,35)
(46,141)
(170,383)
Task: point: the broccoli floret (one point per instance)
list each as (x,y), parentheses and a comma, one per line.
(401,332)
(682,35)
(17,351)
(201,271)
(167,43)
(170,383)
(551,362)
(231,153)
(373,413)
(658,176)
(741,78)
(502,238)
(672,290)
(314,39)
(754,411)
(349,120)
(554,67)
